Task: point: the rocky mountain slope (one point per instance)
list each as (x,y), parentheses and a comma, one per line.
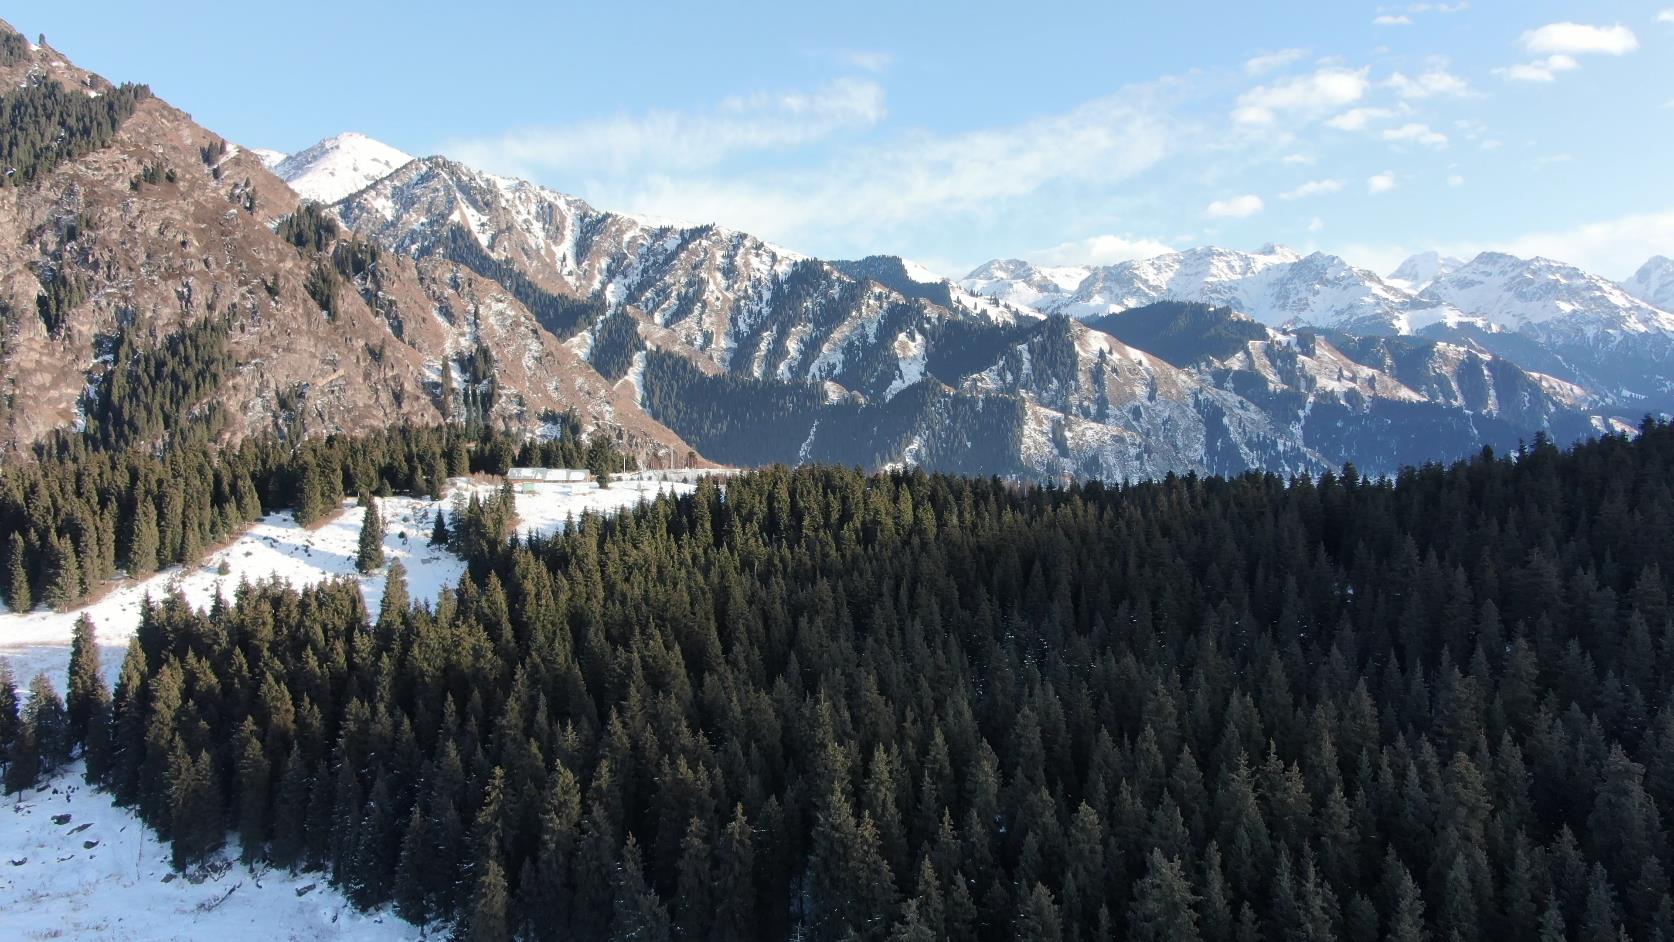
(430,290)
(167,238)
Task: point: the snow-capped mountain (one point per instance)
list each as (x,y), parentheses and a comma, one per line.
(1273,284)
(1653,282)
(1417,272)
(338,166)
(1547,298)
(1016,282)
(269,157)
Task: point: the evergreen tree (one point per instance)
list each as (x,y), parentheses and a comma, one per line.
(86,696)
(488,921)
(143,539)
(370,556)
(19,595)
(1163,902)
(439,529)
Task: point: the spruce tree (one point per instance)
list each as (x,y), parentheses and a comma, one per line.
(86,694)
(143,539)
(1163,902)
(10,720)
(370,557)
(489,904)
(62,578)
(18,593)
(439,530)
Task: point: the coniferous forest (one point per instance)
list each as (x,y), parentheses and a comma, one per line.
(827,705)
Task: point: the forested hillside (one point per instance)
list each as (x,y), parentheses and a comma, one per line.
(837,706)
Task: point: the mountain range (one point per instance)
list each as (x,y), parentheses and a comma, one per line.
(349,285)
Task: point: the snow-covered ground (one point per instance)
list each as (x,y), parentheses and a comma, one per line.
(117,889)
(54,886)
(277,547)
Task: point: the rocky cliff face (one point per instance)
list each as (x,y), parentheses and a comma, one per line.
(167,227)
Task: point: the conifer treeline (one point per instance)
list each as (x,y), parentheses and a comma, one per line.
(75,517)
(44,123)
(831,706)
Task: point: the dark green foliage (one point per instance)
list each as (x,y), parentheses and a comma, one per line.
(370,555)
(43,124)
(848,706)
(563,316)
(312,228)
(321,285)
(1181,332)
(42,742)
(614,345)
(61,291)
(152,392)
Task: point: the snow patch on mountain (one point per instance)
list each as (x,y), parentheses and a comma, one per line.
(1546,297)
(1417,272)
(339,166)
(1653,282)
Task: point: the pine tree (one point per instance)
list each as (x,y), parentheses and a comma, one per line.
(395,601)
(1038,920)
(10,721)
(370,557)
(439,530)
(86,694)
(638,915)
(18,594)
(694,903)
(735,879)
(143,539)
(62,577)
(254,781)
(194,807)
(1163,902)
(489,910)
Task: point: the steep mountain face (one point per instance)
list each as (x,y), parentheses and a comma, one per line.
(1417,272)
(1558,319)
(1273,284)
(337,166)
(1653,282)
(429,291)
(164,245)
(1020,284)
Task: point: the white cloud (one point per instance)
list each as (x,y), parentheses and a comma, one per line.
(1429,84)
(1392,19)
(1302,160)
(1099,250)
(1238,207)
(1312,188)
(854,194)
(869,60)
(1610,247)
(672,141)
(1666,16)
(1304,96)
(1454,179)
(1356,119)
(1380,183)
(1416,133)
(1316,224)
(1559,43)
(1579,39)
(1271,61)
(1540,70)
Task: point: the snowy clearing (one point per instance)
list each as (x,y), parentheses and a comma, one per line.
(120,887)
(53,885)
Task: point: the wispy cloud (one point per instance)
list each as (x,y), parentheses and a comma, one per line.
(855,192)
(1099,250)
(1540,70)
(664,141)
(1429,84)
(1380,183)
(1416,133)
(1454,179)
(1237,207)
(1305,96)
(1272,61)
(1666,16)
(868,60)
(1312,188)
(1392,19)
(1356,119)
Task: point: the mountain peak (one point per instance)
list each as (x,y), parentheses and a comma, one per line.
(1418,271)
(1653,282)
(338,166)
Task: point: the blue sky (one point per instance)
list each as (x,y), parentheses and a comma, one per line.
(952,133)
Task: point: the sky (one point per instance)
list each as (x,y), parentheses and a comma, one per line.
(953,133)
